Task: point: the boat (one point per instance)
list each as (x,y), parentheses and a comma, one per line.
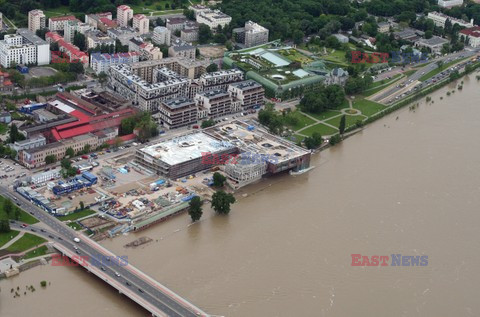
(302,171)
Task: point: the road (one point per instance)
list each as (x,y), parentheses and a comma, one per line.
(424,70)
(138,283)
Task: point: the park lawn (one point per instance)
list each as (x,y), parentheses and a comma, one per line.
(24,216)
(77,215)
(367,107)
(439,70)
(324,115)
(58,11)
(27,218)
(7,236)
(75,226)
(36,252)
(26,242)
(303,120)
(337,56)
(349,120)
(321,128)
(3,128)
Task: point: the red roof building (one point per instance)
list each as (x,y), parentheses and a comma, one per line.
(473,36)
(72,52)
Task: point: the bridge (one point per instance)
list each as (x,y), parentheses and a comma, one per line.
(127,279)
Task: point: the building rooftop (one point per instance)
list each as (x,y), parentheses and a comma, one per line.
(474,32)
(185,148)
(64,18)
(244,85)
(31,37)
(177,103)
(433,41)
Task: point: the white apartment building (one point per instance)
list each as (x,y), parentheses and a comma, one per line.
(187,51)
(24,48)
(449,3)
(161,35)
(124,14)
(141,23)
(439,19)
(216,103)
(36,20)
(198,8)
(102,62)
(97,38)
(58,23)
(214,18)
(75,26)
(473,36)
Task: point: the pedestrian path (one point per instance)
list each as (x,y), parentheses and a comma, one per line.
(9,243)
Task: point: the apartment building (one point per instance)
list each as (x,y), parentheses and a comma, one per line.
(190,32)
(58,23)
(220,79)
(124,14)
(36,20)
(449,3)
(147,50)
(141,23)
(101,62)
(24,48)
(215,103)
(124,34)
(97,38)
(94,19)
(174,24)
(74,26)
(213,18)
(252,34)
(186,51)
(73,52)
(144,95)
(473,36)
(178,112)
(439,19)
(249,93)
(161,35)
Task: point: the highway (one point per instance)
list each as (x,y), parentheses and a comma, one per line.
(420,72)
(139,285)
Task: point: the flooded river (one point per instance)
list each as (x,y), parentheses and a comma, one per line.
(407,186)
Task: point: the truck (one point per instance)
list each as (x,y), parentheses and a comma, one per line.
(77,240)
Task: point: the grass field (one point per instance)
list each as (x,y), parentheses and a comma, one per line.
(367,107)
(336,56)
(325,115)
(303,120)
(58,11)
(320,127)
(75,226)
(26,242)
(3,128)
(37,252)
(349,120)
(7,236)
(24,216)
(77,215)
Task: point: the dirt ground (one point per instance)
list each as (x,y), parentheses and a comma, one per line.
(213,51)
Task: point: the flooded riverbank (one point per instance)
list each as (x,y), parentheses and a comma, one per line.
(407,186)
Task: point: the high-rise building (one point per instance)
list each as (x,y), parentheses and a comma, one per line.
(161,35)
(36,20)
(141,23)
(75,26)
(58,23)
(124,14)
(252,34)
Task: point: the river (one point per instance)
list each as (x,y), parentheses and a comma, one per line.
(407,186)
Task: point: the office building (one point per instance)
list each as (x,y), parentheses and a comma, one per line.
(213,18)
(24,48)
(439,19)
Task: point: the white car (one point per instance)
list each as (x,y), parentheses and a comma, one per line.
(116,273)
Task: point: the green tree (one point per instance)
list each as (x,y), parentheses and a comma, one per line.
(341,125)
(221,202)
(204,34)
(208,123)
(335,139)
(82,205)
(14,135)
(8,208)
(189,14)
(49,159)
(218,179)
(212,68)
(4,223)
(314,141)
(80,41)
(195,209)
(70,152)
(102,78)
